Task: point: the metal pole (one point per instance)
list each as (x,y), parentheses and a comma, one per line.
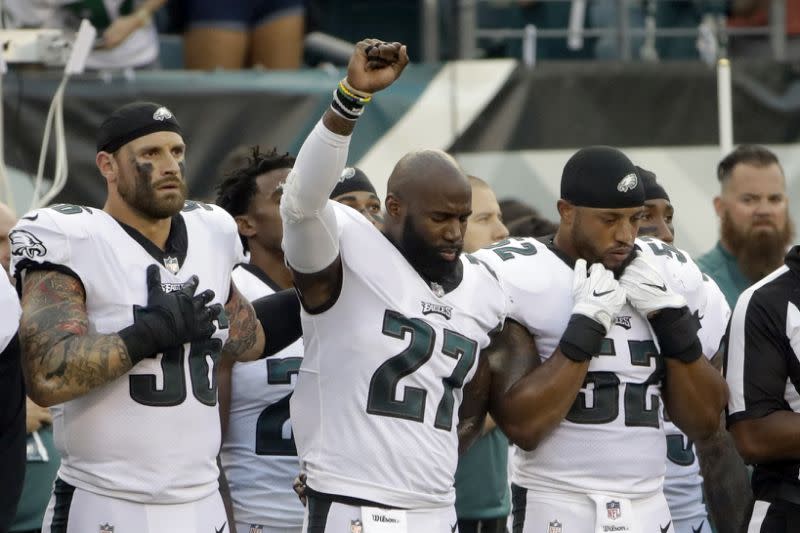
(623,27)
(466,26)
(429,22)
(777,26)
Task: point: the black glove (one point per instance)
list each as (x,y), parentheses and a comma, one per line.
(170,319)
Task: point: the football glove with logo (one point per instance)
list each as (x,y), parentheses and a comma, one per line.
(666,310)
(647,291)
(598,296)
(598,299)
(169,319)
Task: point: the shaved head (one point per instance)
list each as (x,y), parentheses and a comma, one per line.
(427,207)
(425,169)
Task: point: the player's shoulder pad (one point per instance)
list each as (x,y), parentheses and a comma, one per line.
(48,234)
(677,267)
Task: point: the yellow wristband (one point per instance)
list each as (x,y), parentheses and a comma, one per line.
(347,89)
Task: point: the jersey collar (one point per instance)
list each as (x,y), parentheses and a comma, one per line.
(174,252)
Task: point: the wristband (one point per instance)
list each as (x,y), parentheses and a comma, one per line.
(582,339)
(676,330)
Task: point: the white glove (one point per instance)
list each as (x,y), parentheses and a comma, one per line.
(646,288)
(599,296)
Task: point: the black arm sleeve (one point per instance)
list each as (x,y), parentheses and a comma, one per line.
(12,432)
(279,315)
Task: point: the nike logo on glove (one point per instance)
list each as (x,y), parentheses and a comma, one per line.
(599,294)
(699,529)
(662,288)
(664,529)
(31,217)
(221,529)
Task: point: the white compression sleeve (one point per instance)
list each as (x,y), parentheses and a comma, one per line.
(310,232)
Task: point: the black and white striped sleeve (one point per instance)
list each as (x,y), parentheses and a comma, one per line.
(756,358)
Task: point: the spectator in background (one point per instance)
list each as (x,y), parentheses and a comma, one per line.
(126,35)
(750,13)
(482,493)
(237,34)
(754,217)
(513,209)
(42,456)
(532,226)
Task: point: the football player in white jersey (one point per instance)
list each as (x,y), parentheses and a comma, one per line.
(724,472)
(393,325)
(258,454)
(602,468)
(122,329)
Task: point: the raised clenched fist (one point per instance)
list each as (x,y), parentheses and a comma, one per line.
(375,65)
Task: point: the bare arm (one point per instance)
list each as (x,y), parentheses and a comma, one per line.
(527,399)
(726,480)
(694,394)
(246,336)
(62,361)
(775,437)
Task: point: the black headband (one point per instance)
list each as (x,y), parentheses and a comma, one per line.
(132,121)
(601,176)
(652,189)
(352,179)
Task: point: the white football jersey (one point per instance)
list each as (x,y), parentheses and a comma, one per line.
(151,435)
(683,484)
(258,454)
(375,408)
(9,303)
(612,440)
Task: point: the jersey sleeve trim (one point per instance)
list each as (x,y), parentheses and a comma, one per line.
(26,265)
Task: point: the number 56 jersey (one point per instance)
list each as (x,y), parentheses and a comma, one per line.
(612,440)
(375,407)
(151,435)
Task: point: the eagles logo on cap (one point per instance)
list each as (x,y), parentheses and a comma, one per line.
(162,114)
(347,173)
(628,183)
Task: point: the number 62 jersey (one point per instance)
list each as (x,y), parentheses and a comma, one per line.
(151,435)
(612,440)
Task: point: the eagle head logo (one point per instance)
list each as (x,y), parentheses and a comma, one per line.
(628,183)
(162,114)
(25,243)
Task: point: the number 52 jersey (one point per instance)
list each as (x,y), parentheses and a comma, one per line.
(151,435)
(612,440)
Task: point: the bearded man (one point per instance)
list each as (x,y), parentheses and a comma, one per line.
(755,227)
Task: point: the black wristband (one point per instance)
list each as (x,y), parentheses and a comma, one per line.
(138,342)
(676,330)
(582,339)
(279,315)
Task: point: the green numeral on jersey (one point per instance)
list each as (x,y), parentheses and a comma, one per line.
(679,453)
(604,390)
(509,248)
(421,337)
(272,420)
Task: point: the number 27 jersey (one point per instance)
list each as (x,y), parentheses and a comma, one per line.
(375,408)
(612,439)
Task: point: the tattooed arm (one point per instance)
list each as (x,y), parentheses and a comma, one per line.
(61,359)
(246,336)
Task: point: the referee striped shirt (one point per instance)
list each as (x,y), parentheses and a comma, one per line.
(762,362)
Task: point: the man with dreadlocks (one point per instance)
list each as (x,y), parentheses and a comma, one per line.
(258,452)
